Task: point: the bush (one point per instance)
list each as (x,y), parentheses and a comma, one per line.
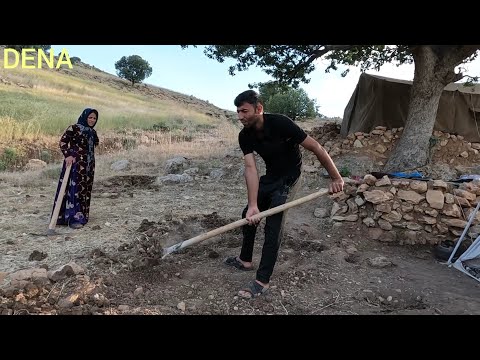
(293,103)
(46,156)
(52,173)
(9,157)
(345,171)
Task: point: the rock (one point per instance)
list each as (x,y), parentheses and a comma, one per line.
(120,165)
(181,306)
(176,165)
(410,196)
(377,196)
(174,179)
(138,291)
(29,274)
(213,254)
(217,174)
(37,256)
(35,164)
(320,213)
(379,262)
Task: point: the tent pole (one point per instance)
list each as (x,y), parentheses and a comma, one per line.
(472,216)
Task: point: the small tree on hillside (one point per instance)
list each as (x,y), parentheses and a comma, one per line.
(75,60)
(133,68)
(294,103)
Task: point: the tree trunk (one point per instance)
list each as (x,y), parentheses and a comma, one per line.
(412,150)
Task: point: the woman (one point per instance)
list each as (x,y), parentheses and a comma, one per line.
(78,146)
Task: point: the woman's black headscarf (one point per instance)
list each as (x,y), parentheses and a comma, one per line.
(86,129)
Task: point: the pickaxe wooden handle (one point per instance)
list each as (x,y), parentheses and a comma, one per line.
(242,222)
(58,203)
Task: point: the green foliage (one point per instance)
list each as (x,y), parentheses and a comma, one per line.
(133,68)
(294,103)
(162,126)
(46,156)
(29,114)
(269,89)
(10,155)
(9,158)
(129,143)
(345,171)
(290,64)
(75,60)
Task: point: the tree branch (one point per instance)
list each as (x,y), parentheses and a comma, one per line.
(320,52)
(454,58)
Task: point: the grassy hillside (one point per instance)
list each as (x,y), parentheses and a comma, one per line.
(36,102)
(37,105)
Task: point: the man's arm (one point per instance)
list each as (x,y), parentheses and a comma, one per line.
(251,178)
(337,182)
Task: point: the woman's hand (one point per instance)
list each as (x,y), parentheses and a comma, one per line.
(70,160)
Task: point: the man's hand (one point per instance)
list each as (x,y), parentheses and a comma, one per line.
(336,185)
(252,210)
(70,160)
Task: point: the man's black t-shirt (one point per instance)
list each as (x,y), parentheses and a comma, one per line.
(277,144)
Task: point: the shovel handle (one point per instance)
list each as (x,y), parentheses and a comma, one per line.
(58,203)
(242,222)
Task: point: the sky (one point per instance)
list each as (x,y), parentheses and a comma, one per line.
(190,72)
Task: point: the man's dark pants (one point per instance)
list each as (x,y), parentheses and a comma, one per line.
(271,193)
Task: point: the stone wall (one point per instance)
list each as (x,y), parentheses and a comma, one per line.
(409,211)
(450,155)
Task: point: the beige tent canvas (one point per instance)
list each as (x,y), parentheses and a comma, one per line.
(381,101)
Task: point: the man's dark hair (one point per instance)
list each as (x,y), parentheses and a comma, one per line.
(249,96)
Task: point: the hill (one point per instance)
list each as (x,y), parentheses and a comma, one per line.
(36,105)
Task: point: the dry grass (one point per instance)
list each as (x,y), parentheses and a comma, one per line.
(12,130)
(215,143)
(32,178)
(212,144)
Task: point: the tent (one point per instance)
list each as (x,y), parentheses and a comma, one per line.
(469,261)
(381,101)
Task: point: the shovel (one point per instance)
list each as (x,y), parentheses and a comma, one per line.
(242,222)
(53,221)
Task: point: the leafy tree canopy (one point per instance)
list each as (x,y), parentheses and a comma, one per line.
(133,68)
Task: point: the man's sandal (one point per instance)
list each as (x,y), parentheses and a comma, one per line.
(253,290)
(233,261)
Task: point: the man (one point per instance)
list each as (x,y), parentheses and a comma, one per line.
(276,139)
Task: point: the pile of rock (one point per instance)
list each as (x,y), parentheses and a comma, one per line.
(446,148)
(66,290)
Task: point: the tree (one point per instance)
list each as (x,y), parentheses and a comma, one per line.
(294,103)
(75,59)
(435,67)
(133,68)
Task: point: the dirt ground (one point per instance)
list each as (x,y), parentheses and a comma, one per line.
(322,268)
